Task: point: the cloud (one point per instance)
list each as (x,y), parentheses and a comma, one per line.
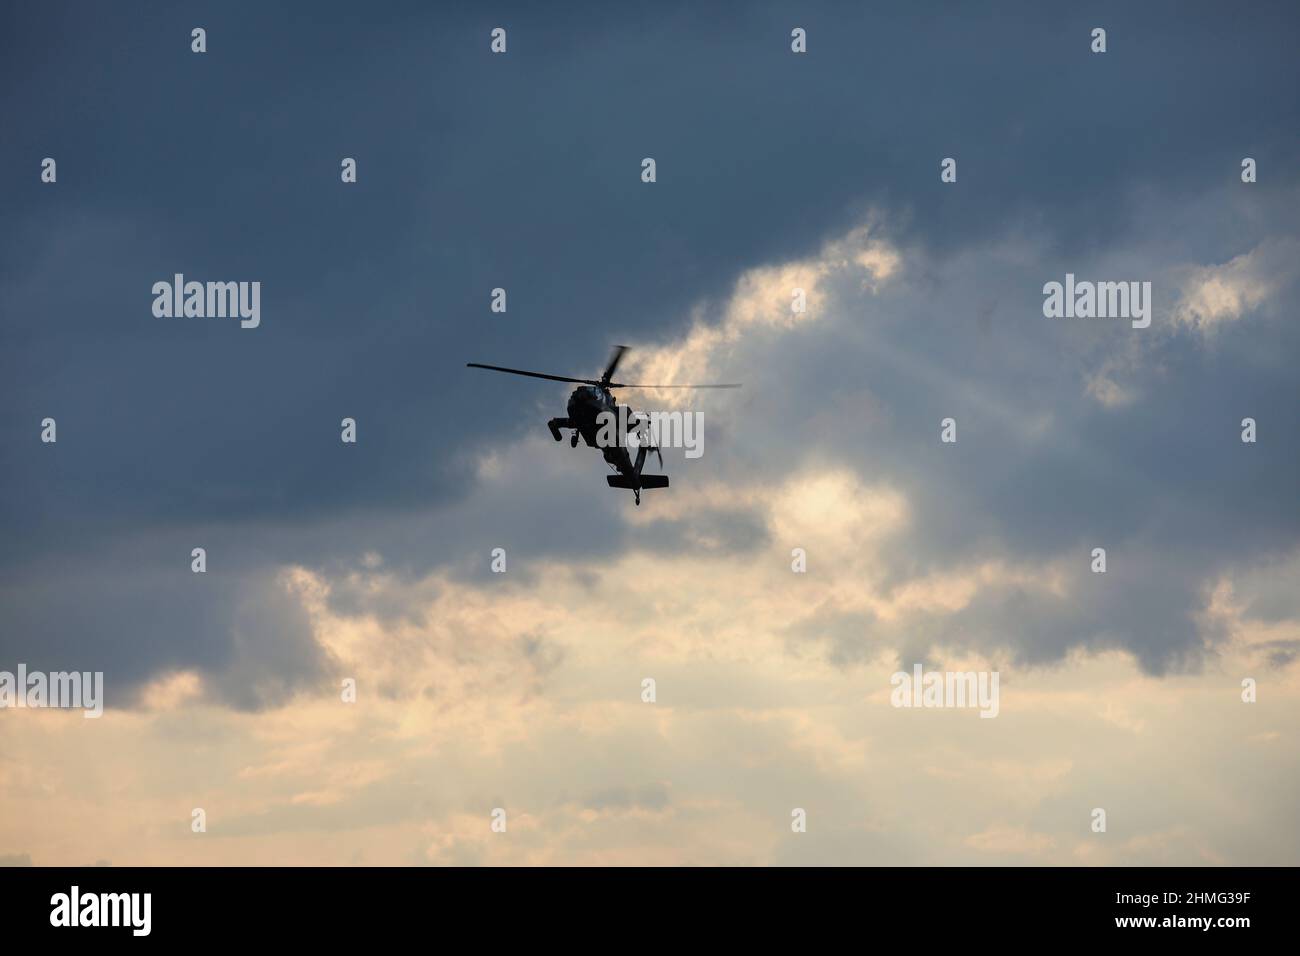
(742,732)
(522,690)
(1108,392)
(766,300)
(1213,295)
(1004,839)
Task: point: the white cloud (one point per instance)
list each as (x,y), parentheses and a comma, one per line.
(761,304)
(1211,296)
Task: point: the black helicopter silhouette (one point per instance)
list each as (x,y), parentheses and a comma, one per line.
(588,403)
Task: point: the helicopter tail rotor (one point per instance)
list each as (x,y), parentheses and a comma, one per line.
(641,425)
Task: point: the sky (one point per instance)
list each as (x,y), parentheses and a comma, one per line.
(522,691)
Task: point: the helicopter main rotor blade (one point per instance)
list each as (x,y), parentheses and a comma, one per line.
(614,359)
(619,385)
(589,381)
(519,371)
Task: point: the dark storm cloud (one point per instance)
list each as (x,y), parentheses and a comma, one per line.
(522,171)
(132,614)
(1041,471)
(518,171)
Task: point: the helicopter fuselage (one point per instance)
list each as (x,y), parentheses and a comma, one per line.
(586,405)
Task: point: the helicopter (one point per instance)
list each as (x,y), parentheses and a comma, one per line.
(592,399)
